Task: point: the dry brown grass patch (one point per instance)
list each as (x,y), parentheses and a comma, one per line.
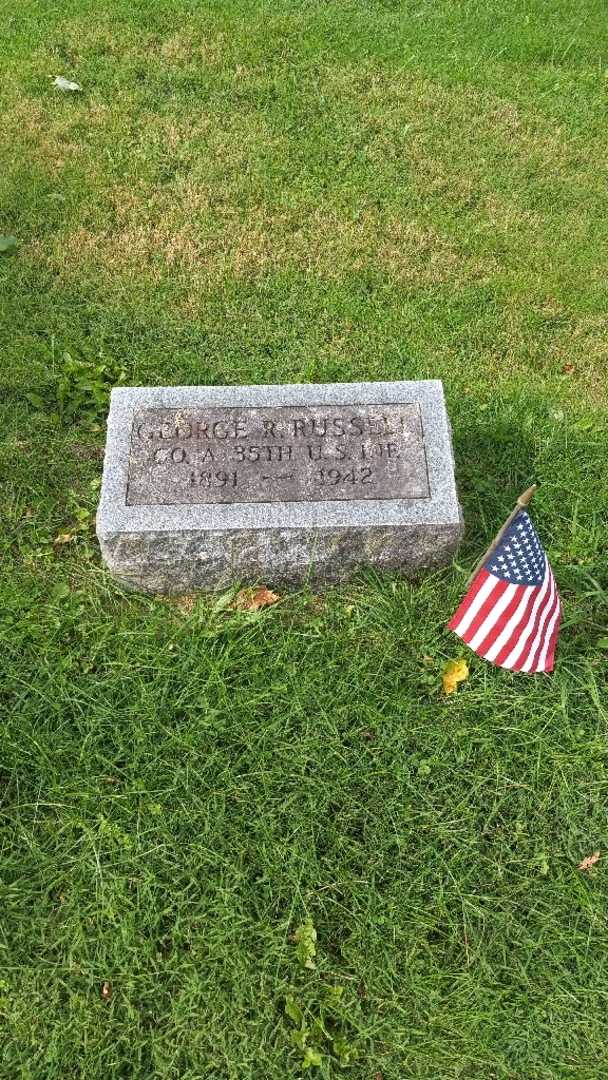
(41,131)
(200,248)
(415,113)
(203,245)
(101,35)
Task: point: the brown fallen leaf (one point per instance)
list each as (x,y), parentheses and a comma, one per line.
(589,861)
(64,538)
(105,990)
(317,603)
(185,604)
(567,369)
(455,671)
(254,599)
(87,453)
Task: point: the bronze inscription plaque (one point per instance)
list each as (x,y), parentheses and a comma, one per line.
(280,453)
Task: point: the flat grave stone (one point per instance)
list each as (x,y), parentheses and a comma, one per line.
(205,486)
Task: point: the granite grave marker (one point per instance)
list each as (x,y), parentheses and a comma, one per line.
(206,486)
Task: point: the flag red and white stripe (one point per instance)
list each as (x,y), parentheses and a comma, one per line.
(511,613)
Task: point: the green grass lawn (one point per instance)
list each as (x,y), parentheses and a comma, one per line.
(249,192)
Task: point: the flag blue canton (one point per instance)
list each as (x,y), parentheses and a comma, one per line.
(519,558)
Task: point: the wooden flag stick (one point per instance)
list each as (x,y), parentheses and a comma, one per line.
(524,500)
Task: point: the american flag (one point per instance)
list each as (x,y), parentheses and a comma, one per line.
(511,613)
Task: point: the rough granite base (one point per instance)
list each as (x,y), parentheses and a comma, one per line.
(161,542)
(173,563)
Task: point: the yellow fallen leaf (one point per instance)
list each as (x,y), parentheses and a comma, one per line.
(589,861)
(254,599)
(455,671)
(64,538)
